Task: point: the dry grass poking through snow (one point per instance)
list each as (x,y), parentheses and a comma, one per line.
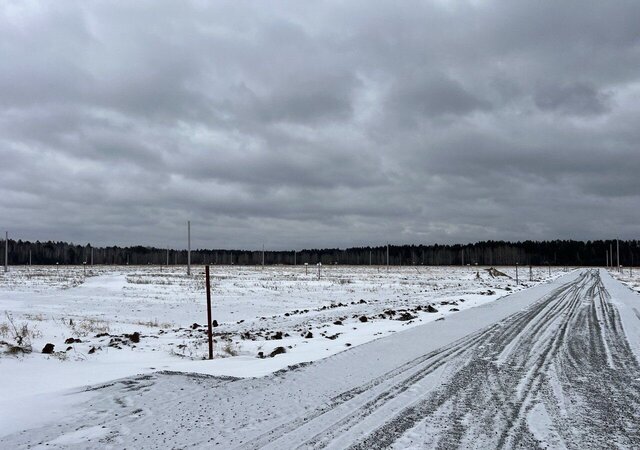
(84,327)
(19,335)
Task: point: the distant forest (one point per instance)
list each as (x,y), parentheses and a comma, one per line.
(492,253)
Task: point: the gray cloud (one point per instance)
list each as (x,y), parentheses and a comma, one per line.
(329,124)
(578,99)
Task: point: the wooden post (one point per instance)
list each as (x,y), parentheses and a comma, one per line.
(209,330)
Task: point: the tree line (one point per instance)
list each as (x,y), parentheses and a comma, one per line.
(492,253)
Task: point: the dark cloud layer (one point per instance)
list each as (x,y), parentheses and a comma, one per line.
(305,124)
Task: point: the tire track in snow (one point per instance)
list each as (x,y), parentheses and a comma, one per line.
(351,414)
(494,404)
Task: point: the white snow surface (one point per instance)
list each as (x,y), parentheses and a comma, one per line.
(251,305)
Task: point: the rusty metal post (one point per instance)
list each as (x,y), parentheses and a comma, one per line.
(209,331)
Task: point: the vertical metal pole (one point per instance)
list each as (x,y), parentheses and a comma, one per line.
(6,251)
(188,247)
(618,254)
(611,255)
(209,321)
(387,257)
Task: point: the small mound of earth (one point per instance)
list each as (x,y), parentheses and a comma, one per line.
(278,351)
(496,273)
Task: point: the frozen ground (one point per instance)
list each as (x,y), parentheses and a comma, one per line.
(628,277)
(253,307)
(555,366)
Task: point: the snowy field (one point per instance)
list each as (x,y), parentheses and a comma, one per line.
(113,322)
(630,278)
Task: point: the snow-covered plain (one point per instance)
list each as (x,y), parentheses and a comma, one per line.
(628,276)
(257,311)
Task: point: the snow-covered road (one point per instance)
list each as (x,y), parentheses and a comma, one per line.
(555,366)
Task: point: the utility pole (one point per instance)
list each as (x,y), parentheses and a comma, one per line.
(618,253)
(6,251)
(369,257)
(387,257)
(517,274)
(167,256)
(606,256)
(262,256)
(530,273)
(610,255)
(188,247)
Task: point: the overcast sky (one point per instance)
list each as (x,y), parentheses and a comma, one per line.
(307,124)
